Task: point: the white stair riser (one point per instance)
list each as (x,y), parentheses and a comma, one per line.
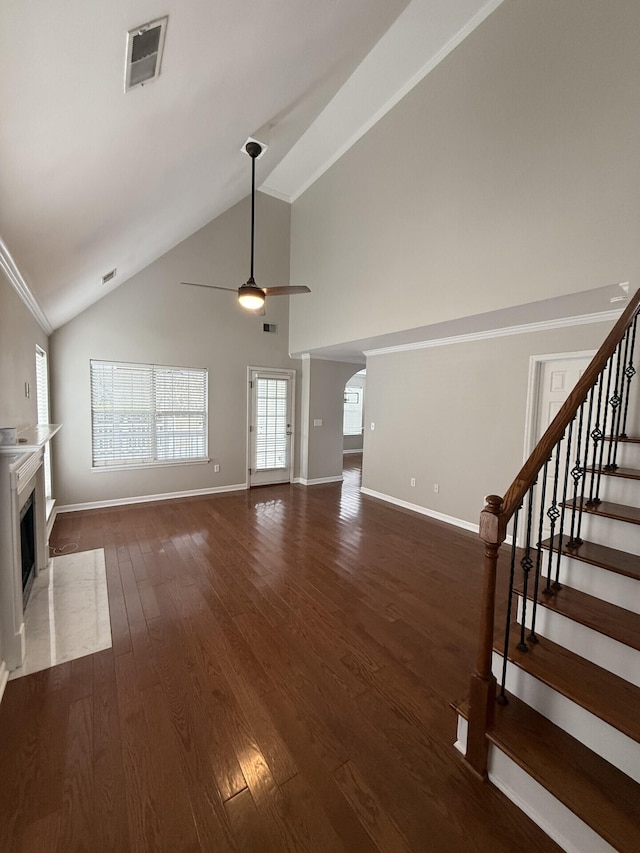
(614,746)
(601,650)
(552,816)
(628,455)
(596,581)
(621,535)
(618,490)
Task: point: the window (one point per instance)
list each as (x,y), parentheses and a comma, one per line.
(352,423)
(147,414)
(42,403)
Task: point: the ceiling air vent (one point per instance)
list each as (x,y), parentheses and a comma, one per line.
(144,53)
(106,278)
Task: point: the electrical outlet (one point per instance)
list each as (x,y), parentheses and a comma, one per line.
(216,468)
(436,488)
(413,481)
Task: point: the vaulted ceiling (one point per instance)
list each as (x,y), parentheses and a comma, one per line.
(93,179)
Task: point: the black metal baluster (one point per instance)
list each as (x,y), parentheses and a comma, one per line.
(553,514)
(577,473)
(536,585)
(629,372)
(587,435)
(614,402)
(609,369)
(502,698)
(597,436)
(556,584)
(526,564)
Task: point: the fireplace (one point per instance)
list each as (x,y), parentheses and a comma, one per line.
(27,546)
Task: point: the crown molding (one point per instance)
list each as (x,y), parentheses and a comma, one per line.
(526,328)
(10,269)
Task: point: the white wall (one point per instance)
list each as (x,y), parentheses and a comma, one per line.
(510,174)
(153,318)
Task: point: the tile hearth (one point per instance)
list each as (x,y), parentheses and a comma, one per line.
(67,615)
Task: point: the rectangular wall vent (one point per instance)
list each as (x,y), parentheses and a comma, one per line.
(108,276)
(144,53)
(269,327)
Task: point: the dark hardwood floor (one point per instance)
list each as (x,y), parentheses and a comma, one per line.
(282,666)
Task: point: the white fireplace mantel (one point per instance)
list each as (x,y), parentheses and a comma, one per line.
(21,474)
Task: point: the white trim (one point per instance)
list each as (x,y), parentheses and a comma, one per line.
(13,274)
(525,328)
(4,677)
(275,193)
(423,510)
(431,513)
(51,518)
(142,499)
(318,481)
(321,141)
(354,450)
(170,463)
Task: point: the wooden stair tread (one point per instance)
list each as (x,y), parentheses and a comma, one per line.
(598,793)
(625,473)
(612,699)
(608,619)
(612,559)
(621,512)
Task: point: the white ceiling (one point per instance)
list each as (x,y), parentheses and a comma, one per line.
(92,178)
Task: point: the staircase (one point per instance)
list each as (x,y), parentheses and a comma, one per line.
(553,717)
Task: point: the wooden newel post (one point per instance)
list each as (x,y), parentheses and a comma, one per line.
(482,693)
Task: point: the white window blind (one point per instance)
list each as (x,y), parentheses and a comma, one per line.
(42,403)
(271,424)
(143,414)
(352,422)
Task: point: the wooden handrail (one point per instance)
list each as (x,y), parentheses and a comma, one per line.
(493,525)
(526,477)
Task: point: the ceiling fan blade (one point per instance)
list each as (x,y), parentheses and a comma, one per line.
(286,290)
(210,286)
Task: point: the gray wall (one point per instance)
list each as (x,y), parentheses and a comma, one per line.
(457,418)
(355,442)
(153,318)
(323,399)
(510,174)
(19,334)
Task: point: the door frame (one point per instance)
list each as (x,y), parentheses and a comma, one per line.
(536,363)
(291,375)
(532,411)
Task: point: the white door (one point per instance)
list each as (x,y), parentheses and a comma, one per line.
(556,378)
(270,426)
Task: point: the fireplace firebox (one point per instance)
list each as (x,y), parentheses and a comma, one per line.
(27,546)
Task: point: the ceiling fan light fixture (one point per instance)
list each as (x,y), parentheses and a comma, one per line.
(251,296)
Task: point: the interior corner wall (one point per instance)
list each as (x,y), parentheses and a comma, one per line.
(325,395)
(19,335)
(153,318)
(510,174)
(457,418)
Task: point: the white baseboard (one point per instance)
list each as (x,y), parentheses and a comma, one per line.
(51,518)
(318,481)
(349,452)
(4,677)
(140,499)
(423,510)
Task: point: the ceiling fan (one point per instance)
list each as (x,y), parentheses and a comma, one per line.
(250,295)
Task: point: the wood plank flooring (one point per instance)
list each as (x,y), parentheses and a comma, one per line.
(282,666)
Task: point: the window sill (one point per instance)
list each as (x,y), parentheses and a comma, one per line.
(203,460)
